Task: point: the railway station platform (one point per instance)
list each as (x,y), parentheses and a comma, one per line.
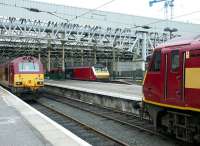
(120,96)
(22,125)
(131,92)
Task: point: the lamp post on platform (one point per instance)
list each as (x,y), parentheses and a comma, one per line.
(170,30)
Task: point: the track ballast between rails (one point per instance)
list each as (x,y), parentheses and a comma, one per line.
(85,132)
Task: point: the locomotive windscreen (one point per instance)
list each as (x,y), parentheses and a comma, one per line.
(28,67)
(100,68)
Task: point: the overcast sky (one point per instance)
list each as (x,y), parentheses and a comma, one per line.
(140,8)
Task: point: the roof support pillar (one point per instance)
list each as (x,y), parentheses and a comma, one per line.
(118,60)
(63,56)
(39,55)
(72,57)
(144,49)
(49,60)
(113,62)
(95,56)
(82,57)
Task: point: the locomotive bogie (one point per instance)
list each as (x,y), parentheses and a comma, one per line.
(183,125)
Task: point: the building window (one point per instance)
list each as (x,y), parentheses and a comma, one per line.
(155,66)
(174,60)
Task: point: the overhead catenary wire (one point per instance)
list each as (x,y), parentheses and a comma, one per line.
(54,13)
(91,10)
(35,10)
(163,20)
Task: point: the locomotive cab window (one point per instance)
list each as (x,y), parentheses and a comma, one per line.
(100,68)
(148,59)
(155,64)
(28,66)
(174,60)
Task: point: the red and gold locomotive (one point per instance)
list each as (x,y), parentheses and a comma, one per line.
(22,74)
(97,72)
(171,88)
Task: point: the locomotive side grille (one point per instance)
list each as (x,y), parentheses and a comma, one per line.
(195,53)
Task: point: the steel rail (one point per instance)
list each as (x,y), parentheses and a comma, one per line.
(110,139)
(135,119)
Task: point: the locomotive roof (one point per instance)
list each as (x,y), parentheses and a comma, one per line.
(24,58)
(181,41)
(96,65)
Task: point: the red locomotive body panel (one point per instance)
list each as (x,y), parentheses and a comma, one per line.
(11,73)
(166,86)
(83,73)
(171,89)
(90,73)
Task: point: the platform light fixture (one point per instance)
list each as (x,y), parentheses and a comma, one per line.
(170,30)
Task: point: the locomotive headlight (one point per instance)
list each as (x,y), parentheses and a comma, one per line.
(40,77)
(18,83)
(40,83)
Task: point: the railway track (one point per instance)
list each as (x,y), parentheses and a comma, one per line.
(130,119)
(67,106)
(91,135)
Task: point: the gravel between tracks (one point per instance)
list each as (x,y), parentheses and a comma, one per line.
(131,136)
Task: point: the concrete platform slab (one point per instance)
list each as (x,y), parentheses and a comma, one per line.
(131,92)
(21,125)
(118,96)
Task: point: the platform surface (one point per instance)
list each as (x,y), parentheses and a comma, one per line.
(131,92)
(21,125)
